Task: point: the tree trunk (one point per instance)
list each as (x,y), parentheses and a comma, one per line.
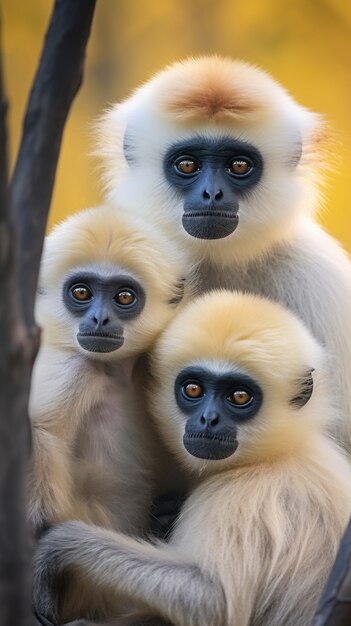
(23,219)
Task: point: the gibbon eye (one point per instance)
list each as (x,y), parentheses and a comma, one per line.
(125,297)
(187,166)
(193,390)
(240,397)
(81,293)
(240,166)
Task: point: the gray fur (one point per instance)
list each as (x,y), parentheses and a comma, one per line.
(134,568)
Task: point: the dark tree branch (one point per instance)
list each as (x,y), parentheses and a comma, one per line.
(14,432)
(335,605)
(3,145)
(23,219)
(57,81)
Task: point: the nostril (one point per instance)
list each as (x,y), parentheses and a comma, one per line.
(218,194)
(206,195)
(209,420)
(99,322)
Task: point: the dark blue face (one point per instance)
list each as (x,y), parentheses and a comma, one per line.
(212,175)
(215,405)
(102,305)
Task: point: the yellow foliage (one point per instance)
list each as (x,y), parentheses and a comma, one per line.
(305,45)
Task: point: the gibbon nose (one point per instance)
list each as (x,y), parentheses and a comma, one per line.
(209,419)
(101,320)
(212,195)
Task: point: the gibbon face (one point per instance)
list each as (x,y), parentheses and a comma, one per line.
(211,175)
(233,382)
(217,149)
(102,306)
(108,285)
(215,405)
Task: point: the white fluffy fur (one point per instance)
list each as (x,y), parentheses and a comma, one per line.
(278,250)
(257,537)
(284,193)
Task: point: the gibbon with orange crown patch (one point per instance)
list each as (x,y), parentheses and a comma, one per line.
(108,286)
(230,165)
(241,396)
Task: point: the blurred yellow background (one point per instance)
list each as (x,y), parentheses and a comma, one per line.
(306,45)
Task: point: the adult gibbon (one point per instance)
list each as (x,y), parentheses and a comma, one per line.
(222,156)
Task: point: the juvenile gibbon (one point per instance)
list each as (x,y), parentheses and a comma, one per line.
(241,396)
(108,285)
(219,154)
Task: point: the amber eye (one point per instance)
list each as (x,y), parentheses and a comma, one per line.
(240,167)
(193,390)
(187,166)
(240,397)
(125,297)
(81,293)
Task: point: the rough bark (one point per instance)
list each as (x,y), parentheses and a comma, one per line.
(15,359)
(23,216)
(57,81)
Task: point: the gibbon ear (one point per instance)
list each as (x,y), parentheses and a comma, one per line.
(128,147)
(297,153)
(305,390)
(178,292)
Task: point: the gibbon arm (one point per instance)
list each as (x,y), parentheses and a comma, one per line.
(50,480)
(150,576)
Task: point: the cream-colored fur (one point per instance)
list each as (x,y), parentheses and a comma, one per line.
(95,452)
(278,250)
(256,539)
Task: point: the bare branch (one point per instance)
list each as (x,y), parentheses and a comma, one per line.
(3,145)
(22,228)
(335,605)
(15,599)
(57,81)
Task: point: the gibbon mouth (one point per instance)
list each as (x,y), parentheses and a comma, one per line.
(95,342)
(210,224)
(227,214)
(203,445)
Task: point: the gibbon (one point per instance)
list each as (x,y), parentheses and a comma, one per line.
(241,396)
(231,165)
(108,285)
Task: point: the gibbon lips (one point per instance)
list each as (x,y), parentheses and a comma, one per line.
(100,343)
(210,224)
(210,447)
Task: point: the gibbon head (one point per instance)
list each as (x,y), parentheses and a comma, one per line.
(107,284)
(236,379)
(217,150)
